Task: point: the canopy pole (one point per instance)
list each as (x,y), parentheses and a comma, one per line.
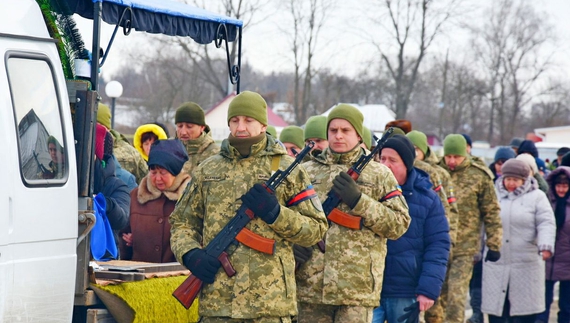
(97,9)
(239,61)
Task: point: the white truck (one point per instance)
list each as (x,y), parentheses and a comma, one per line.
(47,124)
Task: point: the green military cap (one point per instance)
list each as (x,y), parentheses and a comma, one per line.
(271,130)
(249,104)
(190,112)
(348,113)
(104,115)
(316,127)
(455,144)
(419,139)
(292,134)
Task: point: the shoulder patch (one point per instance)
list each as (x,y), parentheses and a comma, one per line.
(392,194)
(306,194)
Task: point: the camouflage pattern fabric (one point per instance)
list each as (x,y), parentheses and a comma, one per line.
(264,285)
(259,320)
(435,177)
(477,203)
(454,292)
(318,313)
(351,270)
(199,149)
(129,158)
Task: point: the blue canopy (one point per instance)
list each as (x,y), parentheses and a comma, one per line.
(162,17)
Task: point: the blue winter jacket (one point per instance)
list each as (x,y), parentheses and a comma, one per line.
(416,262)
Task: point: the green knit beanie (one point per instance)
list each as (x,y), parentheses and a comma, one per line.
(190,112)
(367,137)
(249,104)
(292,134)
(419,139)
(316,127)
(104,115)
(348,113)
(396,131)
(272,131)
(455,144)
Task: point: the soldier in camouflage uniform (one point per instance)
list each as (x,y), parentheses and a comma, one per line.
(343,284)
(444,188)
(127,156)
(263,290)
(478,205)
(192,130)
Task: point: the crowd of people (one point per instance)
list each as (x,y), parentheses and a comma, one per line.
(412,232)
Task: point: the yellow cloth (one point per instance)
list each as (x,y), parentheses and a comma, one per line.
(151,300)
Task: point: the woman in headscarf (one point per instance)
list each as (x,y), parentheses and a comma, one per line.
(147,238)
(513,287)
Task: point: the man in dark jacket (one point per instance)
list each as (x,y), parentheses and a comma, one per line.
(416,262)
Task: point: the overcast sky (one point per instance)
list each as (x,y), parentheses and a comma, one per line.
(343,48)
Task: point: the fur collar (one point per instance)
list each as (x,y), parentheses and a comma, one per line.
(148,192)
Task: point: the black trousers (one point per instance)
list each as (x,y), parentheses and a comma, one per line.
(506,318)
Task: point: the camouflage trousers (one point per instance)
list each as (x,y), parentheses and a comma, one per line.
(320,313)
(450,306)
(256,320)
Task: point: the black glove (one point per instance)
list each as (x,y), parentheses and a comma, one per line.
(492,255)
(412,314)
(262,203)
(201,264)
(346,188)
(302,254)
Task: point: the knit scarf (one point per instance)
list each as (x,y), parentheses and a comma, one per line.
(560,210)
(243,145)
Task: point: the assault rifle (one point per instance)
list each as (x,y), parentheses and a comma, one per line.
(333,200)
(235,231)
(46,173)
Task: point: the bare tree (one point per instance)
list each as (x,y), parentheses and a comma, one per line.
(510,49)
(210,61)
(308,19)
(408,22)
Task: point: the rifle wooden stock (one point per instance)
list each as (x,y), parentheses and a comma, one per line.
(345,220)
(187,292)
(256,242)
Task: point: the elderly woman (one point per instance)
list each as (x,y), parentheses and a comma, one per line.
(513,287)
(558,267)
(147,238)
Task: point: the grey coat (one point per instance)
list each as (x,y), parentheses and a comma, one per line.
(528,228)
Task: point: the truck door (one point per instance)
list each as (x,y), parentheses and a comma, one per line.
(42,203)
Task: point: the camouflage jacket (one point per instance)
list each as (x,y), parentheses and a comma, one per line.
(440,190)
(264,284)
(478,204)
(198,150)
(447,183)
(128,157)
(351,270)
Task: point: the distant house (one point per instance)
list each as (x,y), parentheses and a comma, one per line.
(554,134)
(217,119)
(376,116)
(285,110)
